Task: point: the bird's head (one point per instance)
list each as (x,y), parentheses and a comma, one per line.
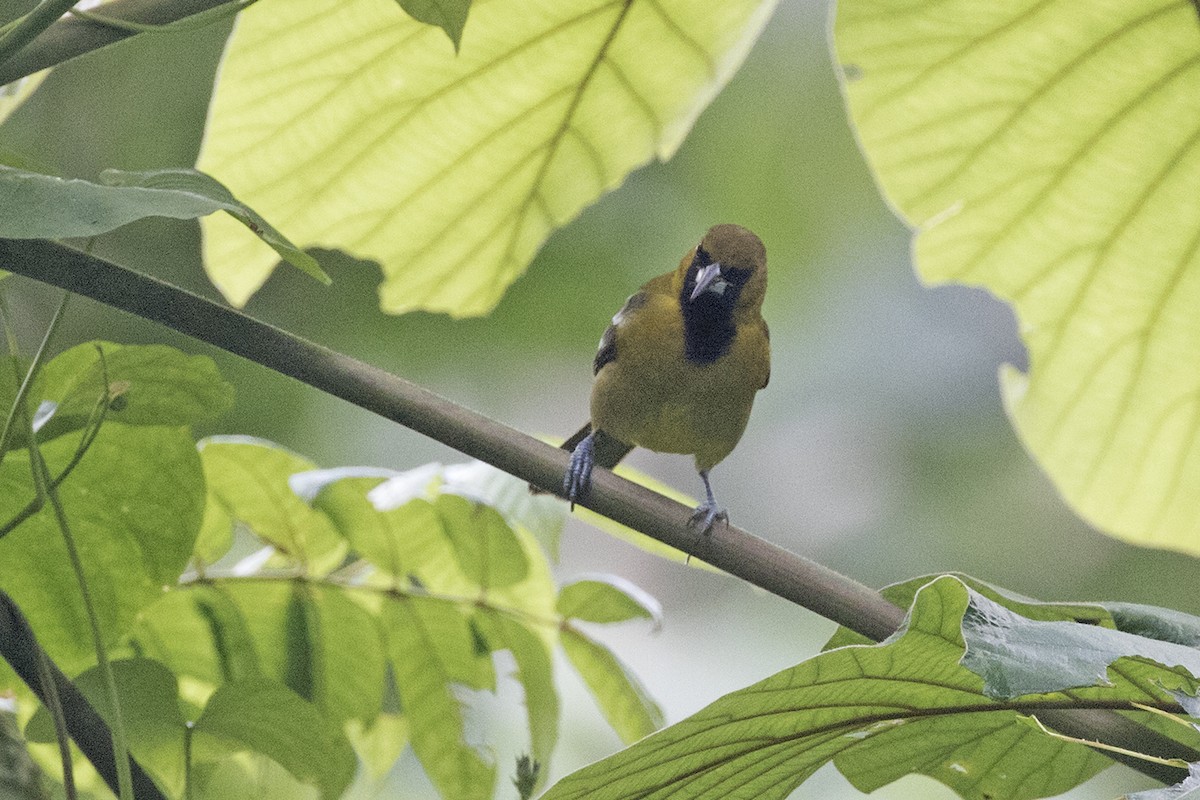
(728,268)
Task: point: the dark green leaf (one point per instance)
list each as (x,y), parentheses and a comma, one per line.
(134,504)
(607,598)
(268,718)
(449,15)
(626,705)
(1164,624)
(35,206)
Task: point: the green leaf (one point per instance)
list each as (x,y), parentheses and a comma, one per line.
(536,675)
(449,15)
(192,182)
(152,384)
(249,478)
(149,698)
(879,711)
(314,639)
(268,718)
(1015,655)
(607,598)
(487,550)
(432,648)
(1038,150)
(134,504)
(623,700)
(361,129)
(36,206)
(380,743)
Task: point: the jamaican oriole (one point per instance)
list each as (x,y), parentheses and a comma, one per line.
(679,366)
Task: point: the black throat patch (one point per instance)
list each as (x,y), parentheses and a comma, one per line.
(708,329)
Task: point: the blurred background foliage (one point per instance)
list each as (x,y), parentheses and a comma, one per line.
(880,447)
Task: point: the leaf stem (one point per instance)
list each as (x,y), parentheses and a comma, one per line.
(30,26)
(46,488)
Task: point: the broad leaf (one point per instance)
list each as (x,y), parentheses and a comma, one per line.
(268,718)
(1048,151)
(134,505)
(879,711)
(149,698)
(362,129)
(149,384)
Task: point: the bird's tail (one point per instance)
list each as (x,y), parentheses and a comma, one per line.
(608,451)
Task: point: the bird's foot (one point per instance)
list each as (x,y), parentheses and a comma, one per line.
(706,515)
(707,512)
(578,479)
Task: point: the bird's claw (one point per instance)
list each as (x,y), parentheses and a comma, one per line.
(578,479)
(706,515)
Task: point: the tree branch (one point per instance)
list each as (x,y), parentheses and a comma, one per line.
(792,577)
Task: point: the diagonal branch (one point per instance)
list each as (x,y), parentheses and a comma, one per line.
(792,577)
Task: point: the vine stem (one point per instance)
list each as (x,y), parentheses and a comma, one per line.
(758,562)
(30,26)
(46,487)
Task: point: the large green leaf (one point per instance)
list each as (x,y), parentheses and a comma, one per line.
(1049,151)
(623,701)
(359,128)
(134,505)
(879,711)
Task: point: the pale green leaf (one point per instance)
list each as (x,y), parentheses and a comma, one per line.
(431,647)
(149,384)
(134,505)
(313,639)
(1189,789)
(536,675)
(357,128)
(380,743)
(268,718)
(449,15)
(607,598)
(623,700)
(249,477)
(1050,151)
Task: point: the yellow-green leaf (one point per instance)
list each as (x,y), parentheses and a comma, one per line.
(1050,151)
(355,127)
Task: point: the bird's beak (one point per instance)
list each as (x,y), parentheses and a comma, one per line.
(708,277)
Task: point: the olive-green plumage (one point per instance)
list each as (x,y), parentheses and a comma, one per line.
(678,369)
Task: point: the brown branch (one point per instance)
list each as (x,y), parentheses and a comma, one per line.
(792,577)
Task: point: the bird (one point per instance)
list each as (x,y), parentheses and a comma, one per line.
(678,369)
